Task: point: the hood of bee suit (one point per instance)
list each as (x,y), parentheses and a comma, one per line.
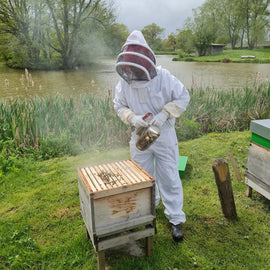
(137,61)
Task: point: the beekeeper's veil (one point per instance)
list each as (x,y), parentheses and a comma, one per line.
(136,60)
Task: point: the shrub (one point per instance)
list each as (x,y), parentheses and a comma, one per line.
(187,129)
(226,60)
(181,54)
(9,156)
(189,59)
(58,145)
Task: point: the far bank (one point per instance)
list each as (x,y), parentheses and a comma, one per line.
(260,56)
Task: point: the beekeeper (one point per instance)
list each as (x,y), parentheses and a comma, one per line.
(145,88)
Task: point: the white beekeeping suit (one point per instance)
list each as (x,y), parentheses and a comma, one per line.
(146,88)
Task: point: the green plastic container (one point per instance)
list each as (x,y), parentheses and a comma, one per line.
(182,165)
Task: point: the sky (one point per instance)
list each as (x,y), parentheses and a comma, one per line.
(168,14)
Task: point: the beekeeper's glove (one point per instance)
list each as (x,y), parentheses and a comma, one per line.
(159,119)
(137,121)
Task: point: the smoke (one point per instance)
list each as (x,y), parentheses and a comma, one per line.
(89,48)
(55,34)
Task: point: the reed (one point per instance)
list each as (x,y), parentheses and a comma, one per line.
(60,125)
(229,110)
(90,121)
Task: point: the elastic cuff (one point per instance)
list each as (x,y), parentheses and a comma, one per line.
(125,115)
(173,110)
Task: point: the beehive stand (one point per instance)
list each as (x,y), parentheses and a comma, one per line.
(117,202)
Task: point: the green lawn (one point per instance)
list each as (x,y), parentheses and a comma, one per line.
(41,226)
(262,56)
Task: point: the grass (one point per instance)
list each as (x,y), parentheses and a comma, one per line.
(41,226)
(53,126)
(231,109)
(40,222)
(42,121)
(261,56)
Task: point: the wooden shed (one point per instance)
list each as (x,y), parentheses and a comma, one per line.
(257,174)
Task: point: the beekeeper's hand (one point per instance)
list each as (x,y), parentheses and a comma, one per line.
(137,121)
(159,119)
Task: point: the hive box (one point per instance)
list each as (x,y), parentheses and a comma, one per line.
(257,174)
(116,198)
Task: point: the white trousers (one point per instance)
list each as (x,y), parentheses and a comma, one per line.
(160,160)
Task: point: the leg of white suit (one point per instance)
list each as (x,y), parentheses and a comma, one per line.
(169,182)
(165,172)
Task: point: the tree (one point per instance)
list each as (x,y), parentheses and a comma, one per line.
(203,28)
(242,18)
(20,24)
(237,20)
(169,44)
(184,41)
(256,16)
(231,16)
(152,34)
(49,33)
(69,19)
(171,40)
(115,36)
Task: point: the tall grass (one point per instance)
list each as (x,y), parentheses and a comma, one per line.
(60,125)
(87,122)
(228,110)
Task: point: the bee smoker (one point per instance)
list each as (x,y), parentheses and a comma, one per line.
(147,135)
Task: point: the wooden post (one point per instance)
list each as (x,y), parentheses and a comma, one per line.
(149,246)
(249,191)
(224,185)
(101,260)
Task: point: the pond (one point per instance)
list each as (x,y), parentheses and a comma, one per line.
(102,77)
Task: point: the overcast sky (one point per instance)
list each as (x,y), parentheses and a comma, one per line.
(168,14)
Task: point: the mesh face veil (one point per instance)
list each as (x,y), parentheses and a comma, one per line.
(136,62)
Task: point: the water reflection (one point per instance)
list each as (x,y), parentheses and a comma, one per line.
(216,75)
(92,79)
(98,79)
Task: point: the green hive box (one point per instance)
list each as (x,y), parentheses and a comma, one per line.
(182,165)
(261,132)
(257,174)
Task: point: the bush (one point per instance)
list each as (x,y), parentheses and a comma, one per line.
(187,129)
(189,59)
(58,145)
(226,60)
(9,156)
(181,54)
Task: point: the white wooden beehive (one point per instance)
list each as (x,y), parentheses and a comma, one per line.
(257,175)
(116,197)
